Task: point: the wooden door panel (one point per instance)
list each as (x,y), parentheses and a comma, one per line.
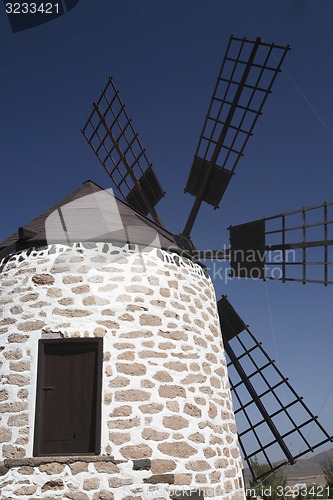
(68,397)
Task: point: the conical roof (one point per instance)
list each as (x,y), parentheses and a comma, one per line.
(89,214)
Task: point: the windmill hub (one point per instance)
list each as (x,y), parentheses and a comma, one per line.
(185,243)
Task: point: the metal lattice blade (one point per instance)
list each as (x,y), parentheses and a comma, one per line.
(248,72)
(274,424)
(294,246)
(111,135)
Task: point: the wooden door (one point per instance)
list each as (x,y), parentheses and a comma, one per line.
(68,397)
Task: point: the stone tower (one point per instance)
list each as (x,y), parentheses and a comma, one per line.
(114,381)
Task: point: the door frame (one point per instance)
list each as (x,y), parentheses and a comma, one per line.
(41,367)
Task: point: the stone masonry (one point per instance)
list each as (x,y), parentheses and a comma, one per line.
(165,392)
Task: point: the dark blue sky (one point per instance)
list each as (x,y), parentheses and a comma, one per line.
(164,57)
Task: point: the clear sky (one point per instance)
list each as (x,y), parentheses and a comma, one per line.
(164,57)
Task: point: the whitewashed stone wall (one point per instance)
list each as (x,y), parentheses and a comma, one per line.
(165,389)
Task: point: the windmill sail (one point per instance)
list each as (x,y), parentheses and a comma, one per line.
(111,135)
(293,246)
(248,72)
(272,419)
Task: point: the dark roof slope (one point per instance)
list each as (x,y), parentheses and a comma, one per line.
(88,214)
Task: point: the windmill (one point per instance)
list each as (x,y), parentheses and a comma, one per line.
(266,420)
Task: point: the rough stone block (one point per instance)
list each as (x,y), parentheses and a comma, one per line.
(163,376)
(18,420)
(43,279)
(160,466)
(194,379)
(18,380)
(5,435)
(108,467)
(21,366)
(175,422)
(144,464)
(179,449)
(139,289)
(154,435)
(17,338)
(172,391)
(29,297)
(185,480)
(16,310)
(131,368)
(152,354)
(121,411)
(14,353)
(32,325)
(110,325)
(76,495)
(91,483)
(54,292)
(25,491)
(136,452)
(26,470)
(78,467)
(103,495)
(160,478)
(13,407)
(197,437)
(198,465)
(132,395)
(192,410)
(151,408)
(117,482)
(3,395)
(52,468)
(150,320)
(70,313)
(148,384)
(119,382)
(128,423)
(55,484)
(119,437)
